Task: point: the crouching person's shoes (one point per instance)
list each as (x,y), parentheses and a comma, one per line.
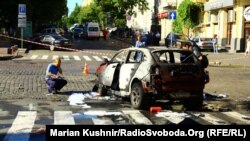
(49,93)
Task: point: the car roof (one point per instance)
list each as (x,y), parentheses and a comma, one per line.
(153,49)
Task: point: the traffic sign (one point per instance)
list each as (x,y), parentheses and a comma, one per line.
(22,20)
(172,15)
(21,9)
(247,13)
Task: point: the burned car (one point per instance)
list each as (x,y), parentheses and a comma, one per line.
(155,73)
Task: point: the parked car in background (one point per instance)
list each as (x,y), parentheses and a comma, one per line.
(204,43)
(59,31)
(55,40)
(177,40)
(154,76)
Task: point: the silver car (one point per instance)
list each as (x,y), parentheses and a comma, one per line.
(204,43)
(148,74)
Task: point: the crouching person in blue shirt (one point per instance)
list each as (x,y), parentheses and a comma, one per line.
(53,77)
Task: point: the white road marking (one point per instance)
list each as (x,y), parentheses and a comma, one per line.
(77,58)
(33,56)
(138,117)
(44,57)
(63,117)
(211,119)
(103,122)
(21,127)
(240,117)
(65,57)
(86,58)
(97,58)
(54,57)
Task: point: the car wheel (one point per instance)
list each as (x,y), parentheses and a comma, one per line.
(195,102)
(102,90)
(138,99)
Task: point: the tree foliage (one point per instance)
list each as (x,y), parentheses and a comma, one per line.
(38,11)
(188,15)
(118,9)
(112,12)
(73,18)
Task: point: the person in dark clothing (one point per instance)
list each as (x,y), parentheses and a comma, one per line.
(186,57)
(53,77)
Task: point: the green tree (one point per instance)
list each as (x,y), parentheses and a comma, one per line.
(118,9)
(40,12)
(188,15)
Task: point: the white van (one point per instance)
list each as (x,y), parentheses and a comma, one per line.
(91,30)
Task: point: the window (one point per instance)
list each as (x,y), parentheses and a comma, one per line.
(120,57)
(93,29)
(135,57)
(164,57)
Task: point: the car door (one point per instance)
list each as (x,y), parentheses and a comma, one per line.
(108,74)
(129,68)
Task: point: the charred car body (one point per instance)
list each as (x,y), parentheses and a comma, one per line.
(159,73)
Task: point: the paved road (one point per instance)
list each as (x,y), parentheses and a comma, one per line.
(25,117)
(23,95)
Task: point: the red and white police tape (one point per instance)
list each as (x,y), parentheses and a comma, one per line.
(47,45)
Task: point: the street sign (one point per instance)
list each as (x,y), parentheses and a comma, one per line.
(22,20)
(21,9)
(172,15)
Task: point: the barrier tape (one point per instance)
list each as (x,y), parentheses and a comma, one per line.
(64,48)
(91,52)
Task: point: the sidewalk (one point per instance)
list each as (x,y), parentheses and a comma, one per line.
(7,51)
(228,59)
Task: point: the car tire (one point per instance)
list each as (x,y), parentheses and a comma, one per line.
(195,102)
(139,99)
(102,90)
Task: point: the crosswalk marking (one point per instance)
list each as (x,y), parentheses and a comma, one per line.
(33,56)
(210,118)
(66,57)
(97,58)
(54,57)
(21,126)
(103,122)
(138,117)
(86,58)
(77,58)
(240,117)
(44,57)
(63,117)
(24,121)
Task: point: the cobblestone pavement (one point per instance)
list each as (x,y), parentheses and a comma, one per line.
(229,73)
(25,79)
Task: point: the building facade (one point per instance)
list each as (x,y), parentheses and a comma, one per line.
(158,10)
(226,19)
(142,21)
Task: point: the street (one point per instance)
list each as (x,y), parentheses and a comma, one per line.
(24,95)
